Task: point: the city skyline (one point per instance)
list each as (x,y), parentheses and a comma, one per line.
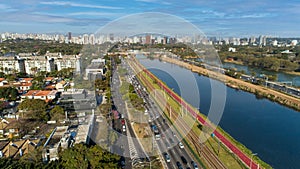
(218,18)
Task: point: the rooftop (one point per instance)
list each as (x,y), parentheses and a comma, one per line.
(73,91)
(40,93)
(95,66)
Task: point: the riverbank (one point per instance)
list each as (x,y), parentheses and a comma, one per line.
(293,73)
(232,61)
(260,91)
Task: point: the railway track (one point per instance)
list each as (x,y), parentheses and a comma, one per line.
(202,150)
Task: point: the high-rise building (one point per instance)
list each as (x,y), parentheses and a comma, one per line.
(85,39)
(92,39)
(165,40)
(69,36)
(262,40)
(148,39)
(252,40)
(21,63)
(111,37)
(172,40)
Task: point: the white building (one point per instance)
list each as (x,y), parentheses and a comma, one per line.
(294,42)
(275,43)
(33,64)
(231,49)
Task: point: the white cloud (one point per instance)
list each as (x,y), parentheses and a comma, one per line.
(6,8)
(257,15)
(94,14)
(67,3)
(147,1)
(155,1)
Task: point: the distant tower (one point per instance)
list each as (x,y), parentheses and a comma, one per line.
(165,40)
(148,39)
(262,40)
(92,39)
(252,40)
(69,36)
(111,37)
(21,63)
(85,39)
(51,65)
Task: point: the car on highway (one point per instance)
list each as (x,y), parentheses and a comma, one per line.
(183,160)
(179,165)
(167,157)
(181,145)
(123,122)
(194,165)
(171,141)
(122,163)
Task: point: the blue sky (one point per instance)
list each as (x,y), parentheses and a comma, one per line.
(213,17)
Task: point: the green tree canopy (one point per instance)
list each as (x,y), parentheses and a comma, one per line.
(9,93)
(34,109)
(57,113)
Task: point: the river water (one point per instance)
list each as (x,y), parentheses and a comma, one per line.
(281,77)
(267,128)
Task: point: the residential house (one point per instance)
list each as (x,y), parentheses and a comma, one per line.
(25,86)
(17,149)
(46,95)
(3,82)
(60,86)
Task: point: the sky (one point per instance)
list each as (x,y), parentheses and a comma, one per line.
(224,18)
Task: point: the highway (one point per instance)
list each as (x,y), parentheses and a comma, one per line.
(168,143)
(243,157)
(131,148)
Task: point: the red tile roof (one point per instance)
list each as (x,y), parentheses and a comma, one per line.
(42,93)
(27,79)
(31,92)
(26,84)
(39,93)
(49,78)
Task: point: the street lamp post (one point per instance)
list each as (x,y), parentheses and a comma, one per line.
(253,154)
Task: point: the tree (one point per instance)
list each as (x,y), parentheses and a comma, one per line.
(10,77)
(81,156)
(74,157)
(9,93)
(34,70)
(57,113)
(2,75)
(34,109)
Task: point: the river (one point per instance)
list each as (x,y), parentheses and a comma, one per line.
(281,76)
(267,128)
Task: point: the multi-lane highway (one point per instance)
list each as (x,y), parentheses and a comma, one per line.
(242,156)
(132,150)
(175,155)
